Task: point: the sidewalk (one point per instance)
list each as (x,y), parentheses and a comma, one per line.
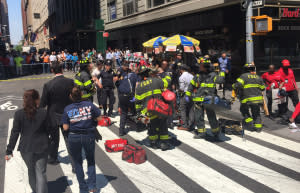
(270,125)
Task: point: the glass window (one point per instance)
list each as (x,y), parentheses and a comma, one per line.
(154,3)
(129,7)
(111,10)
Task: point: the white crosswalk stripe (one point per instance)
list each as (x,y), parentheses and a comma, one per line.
(148,178)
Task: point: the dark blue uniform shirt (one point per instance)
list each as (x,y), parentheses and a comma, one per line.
(80,116)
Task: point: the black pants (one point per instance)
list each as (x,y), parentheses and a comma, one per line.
(54,144)
(108,93)
(200,122)
(294,97)
(253,119)
(158,129)
(185,113)
(99,95)
(125,105)
(37,165)
(270,100)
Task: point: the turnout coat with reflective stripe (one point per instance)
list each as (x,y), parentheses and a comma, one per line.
(249,87)
(84,81)
(205,85)
(145,90)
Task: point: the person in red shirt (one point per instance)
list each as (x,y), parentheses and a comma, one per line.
(288,82)
(272,80)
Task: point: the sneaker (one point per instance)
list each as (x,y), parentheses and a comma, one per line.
(295,130)
(293,126)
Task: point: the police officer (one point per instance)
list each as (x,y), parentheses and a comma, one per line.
(204,85)
(152,87)
(249,87)
(83,80)
(107,86)
(126,88)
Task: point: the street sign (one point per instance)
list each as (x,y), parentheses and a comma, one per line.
(258,4)
(255,4)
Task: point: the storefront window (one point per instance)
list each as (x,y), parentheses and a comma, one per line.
(154,3)
(129,7)
(111,10)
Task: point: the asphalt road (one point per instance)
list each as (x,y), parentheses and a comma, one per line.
(11,99)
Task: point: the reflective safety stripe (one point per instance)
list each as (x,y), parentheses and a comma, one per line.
(193,83)
(87,83)
(168,77)
(144,111)
(253,99)
(137,106)
(222,74)
(211,85)
(86,95)
(146,94)
(153,117)
(164,137)
(198,99)
(188,93)
(78,82)
(203,130)
(165,83)
(258,125)
(254,86)
(248,120)
(240,81)
(215,130)
(153,137)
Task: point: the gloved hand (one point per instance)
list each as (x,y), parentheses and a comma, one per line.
(187,99)
(132,100)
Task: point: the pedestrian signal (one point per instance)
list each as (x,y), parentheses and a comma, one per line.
(263,24)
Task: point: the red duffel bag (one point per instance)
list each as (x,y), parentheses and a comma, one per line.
(104,122)
(159,107)
(115,145)
(134,154)
(169,96)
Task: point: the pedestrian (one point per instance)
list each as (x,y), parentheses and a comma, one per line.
(126,88)
(5,62)
(79,119)
(18,60)
(272,81)
(69,61)
(12,66)
(83,79)
(249,88)
(45,57)
(56,97)
(225,66)
(185,107)
(107,85)
(95,74)
(108,55)
(289,84)
(74,62)
(31,123)
(204,85)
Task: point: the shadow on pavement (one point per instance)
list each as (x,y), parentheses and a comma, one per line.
(59,185)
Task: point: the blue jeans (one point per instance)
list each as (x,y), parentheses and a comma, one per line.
(77,142)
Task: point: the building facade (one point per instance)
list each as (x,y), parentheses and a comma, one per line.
(218,24)
(4,23)
(76,25)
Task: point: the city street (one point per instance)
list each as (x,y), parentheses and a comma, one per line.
(264,162)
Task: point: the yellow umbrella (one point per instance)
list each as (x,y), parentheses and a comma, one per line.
(195,42)
(177,40)
(154,42)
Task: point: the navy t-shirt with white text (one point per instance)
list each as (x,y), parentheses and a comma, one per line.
(80,116)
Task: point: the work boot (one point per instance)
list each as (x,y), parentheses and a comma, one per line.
(198,135)
(154,144)
(121,132)
(217,136)
(165,145)
(258,129)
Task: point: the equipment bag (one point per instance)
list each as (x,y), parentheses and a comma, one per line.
(159,107)
(104,122)
(231,127)
(169,96)
(115,145)
(134,154)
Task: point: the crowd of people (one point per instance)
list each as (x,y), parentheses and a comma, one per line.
(146,87)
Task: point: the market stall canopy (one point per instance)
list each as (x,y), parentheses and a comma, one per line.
(154,42)
(181,40)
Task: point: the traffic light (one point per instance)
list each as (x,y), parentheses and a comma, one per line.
(263,24)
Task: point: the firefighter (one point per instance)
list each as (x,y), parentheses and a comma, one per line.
(249,87)
(202,86)
(152,87)
(83,80)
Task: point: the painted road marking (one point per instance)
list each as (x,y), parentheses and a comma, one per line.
(249,168)
(146,177)
(72,180)
(8,106)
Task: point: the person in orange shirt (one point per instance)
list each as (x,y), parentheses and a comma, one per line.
(46,61)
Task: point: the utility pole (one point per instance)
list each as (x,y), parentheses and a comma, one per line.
(249,31)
